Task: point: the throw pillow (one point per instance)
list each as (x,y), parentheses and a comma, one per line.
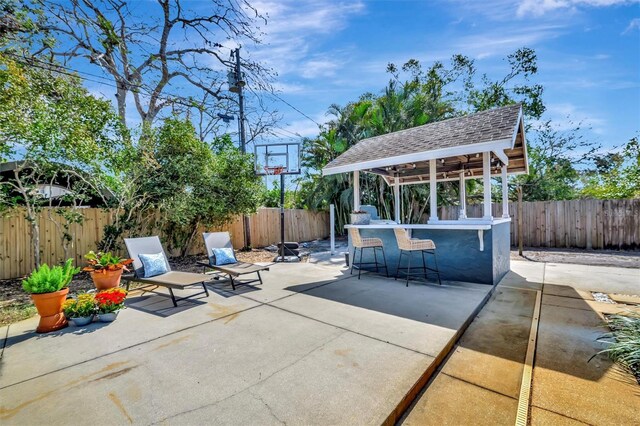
(154,264)
(223,256)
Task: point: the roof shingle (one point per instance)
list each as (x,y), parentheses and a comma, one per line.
(486,126)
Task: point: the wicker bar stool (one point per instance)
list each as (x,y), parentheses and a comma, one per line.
(409,245)
(366,243)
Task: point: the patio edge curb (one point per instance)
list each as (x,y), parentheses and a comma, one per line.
(398,412)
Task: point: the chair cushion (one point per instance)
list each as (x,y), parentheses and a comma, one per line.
(223,256)
(153,264)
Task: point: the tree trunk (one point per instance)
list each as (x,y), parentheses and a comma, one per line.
(121,97)
(187,244)
(35,241)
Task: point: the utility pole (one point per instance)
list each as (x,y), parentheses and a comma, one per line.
(239,84)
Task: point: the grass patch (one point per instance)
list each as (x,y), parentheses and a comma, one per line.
(15,312)
(625,348)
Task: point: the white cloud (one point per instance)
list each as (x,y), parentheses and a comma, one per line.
(490,43)
(541,7)
(294,29)
(319,68)
(633,25)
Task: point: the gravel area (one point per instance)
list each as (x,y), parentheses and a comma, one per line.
(621,259)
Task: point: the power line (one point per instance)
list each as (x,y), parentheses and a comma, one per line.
(296,109)
(76,74)
(57,67)
(71,72)
(293,134)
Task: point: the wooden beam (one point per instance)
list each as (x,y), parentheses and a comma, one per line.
(396,199)
(463,197)
(433,192)
(502,156)
(486,182)
(356,190)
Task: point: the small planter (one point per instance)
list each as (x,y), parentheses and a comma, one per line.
(109,317)
(81,321)
(107,279)
(49,306)
(360,218)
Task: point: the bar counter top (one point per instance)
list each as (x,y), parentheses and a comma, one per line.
(467,224)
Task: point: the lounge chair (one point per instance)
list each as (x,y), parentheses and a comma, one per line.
(233,270)
(172,279)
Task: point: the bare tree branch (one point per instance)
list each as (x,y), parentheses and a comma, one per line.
(160,57)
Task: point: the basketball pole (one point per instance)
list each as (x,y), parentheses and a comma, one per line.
(282,217)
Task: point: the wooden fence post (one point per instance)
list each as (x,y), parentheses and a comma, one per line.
(519,220)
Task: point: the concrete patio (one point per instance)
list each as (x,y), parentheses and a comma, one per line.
(312,345)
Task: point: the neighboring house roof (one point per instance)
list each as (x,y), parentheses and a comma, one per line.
(56,188)
(499,130)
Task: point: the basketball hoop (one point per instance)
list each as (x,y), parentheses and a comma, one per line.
(274,170)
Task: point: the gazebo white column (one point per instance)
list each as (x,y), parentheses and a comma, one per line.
(505,193)
(462,214)
(486,180)
(433,192)
(356,191)
(396,199)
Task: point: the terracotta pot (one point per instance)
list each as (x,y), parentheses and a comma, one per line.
(106,280)
(49,306)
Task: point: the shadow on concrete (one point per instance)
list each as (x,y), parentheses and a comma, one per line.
(223,287)
(568,332)
(448,305)
(160,304)
(569,328)
(70,329)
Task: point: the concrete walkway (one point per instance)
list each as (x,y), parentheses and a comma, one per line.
(312,345)
(480,381)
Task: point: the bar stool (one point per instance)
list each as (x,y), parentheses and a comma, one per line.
(410,245)
(366,243)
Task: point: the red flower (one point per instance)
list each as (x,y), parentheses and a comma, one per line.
(111,300)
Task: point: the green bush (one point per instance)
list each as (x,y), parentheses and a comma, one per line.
(625,350)
(48,280)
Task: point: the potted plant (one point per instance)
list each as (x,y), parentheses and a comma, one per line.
(109,302)
(80,310)
(106,269)
(360,217)
(48,289)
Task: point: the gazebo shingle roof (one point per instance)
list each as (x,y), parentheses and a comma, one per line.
(486,126)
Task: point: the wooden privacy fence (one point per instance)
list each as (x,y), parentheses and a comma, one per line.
(16,255)
(586,224)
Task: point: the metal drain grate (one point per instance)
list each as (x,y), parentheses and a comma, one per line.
(522,418)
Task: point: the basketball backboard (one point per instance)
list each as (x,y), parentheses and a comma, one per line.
(277,158)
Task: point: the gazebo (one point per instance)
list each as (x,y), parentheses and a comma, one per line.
(482,145)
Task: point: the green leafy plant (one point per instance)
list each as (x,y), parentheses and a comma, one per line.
(47,279)
(102,262)
(625,350)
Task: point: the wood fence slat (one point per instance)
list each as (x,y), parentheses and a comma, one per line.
(593,224)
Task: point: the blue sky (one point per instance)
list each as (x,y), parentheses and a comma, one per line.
(331,52)
(327,52)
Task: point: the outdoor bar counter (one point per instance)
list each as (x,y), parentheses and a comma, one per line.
(488,145)
(470,251)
